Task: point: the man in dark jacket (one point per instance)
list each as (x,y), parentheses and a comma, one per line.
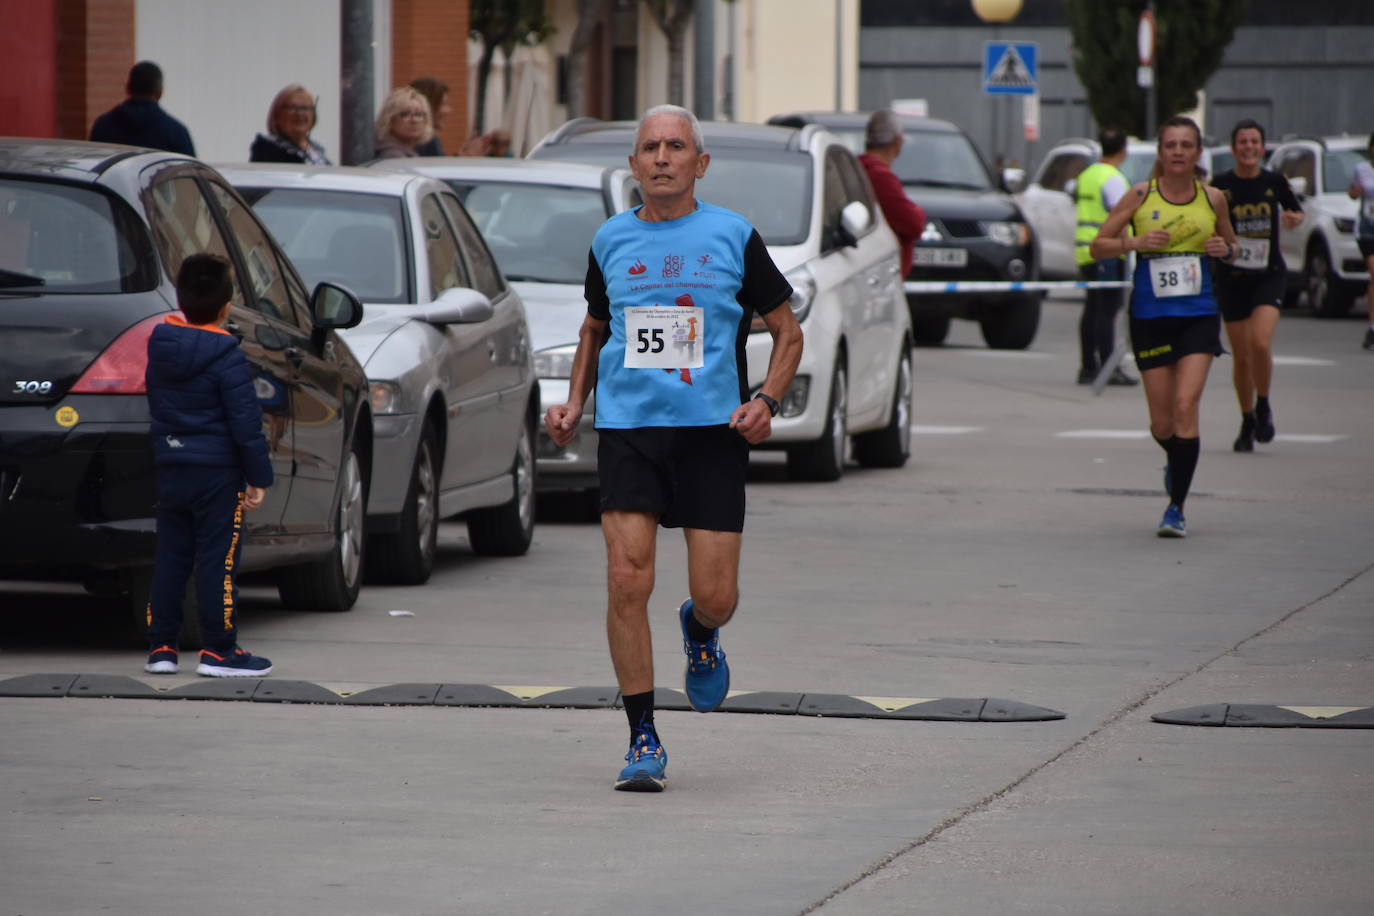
(882,145)
(212,465)
(139,120)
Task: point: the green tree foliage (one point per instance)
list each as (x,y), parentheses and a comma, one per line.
(1191,37)
(503,24)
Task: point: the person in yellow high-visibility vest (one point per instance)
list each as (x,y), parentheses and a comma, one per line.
(1097,190)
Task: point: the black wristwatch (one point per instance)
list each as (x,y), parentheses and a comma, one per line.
(773,406)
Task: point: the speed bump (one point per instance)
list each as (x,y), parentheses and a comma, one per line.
(1255,715)
(765,702)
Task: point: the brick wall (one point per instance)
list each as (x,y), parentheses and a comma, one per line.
(95,49)
(430,38)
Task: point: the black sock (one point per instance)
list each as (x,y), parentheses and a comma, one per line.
(639,709)
(1162,443)
(696,631)
(1183,454)
(1261,406)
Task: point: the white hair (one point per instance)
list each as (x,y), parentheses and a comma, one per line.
(677,111)
(882,128)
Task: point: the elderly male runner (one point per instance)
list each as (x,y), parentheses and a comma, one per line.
(672,287)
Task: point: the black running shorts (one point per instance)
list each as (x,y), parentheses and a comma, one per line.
(1162,341)
(1241,290)
(1366,247)
(688,476)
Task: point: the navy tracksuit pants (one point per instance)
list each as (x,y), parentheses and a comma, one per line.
(199,529)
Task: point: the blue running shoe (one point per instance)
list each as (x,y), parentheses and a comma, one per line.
(1172,525)
(707,680)
(162,660)
(234,663)
(647,770)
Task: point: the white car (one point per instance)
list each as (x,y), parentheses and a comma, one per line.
(811,202)
(1321,253)
(445,346)
(539,219)
(1048,203)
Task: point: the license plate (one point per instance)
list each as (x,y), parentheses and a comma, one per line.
(941,257)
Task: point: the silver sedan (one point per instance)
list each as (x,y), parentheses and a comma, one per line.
(539,219)
(445,345)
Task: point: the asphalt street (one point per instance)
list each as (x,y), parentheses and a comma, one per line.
(1014,558)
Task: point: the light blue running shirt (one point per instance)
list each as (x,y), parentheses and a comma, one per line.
(679,296)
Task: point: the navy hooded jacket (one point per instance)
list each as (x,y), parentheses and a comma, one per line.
(201,397)
(142,122)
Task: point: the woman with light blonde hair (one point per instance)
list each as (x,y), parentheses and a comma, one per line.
(290,119)
(403,124)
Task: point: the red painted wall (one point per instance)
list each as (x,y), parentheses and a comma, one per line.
(28,68)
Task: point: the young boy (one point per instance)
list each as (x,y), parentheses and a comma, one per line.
(212,464)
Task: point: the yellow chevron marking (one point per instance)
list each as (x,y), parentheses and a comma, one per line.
(1322,712)
(528,693)
(892,704)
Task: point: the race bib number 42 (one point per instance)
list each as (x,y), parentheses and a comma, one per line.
(1252,254)
(1176,276)
(664,337)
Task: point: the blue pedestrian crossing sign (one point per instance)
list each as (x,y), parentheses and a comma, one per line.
(1009,68)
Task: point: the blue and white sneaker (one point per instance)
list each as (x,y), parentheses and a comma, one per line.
(162,660)
(234,663)
(707,679)
(1172,525)
(647,770)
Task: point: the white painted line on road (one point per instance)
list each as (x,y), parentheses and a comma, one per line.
(1309,437)
(1013,354)
(1302,361)
(1103,434)
(944,430)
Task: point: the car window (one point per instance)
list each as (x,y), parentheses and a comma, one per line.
(536,232)
(183,224)
(259,257)
(1304,165)
(939,159)
(446,268)
(1061,169)
(67,239)
(483,274)
(1138,164)
(855,187)
(1338,169)
(356,240)
(833,200)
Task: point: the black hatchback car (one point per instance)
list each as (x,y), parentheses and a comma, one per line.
(90,237)
(974,230)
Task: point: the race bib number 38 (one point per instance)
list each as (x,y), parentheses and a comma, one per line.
(1176,276)
(664,337)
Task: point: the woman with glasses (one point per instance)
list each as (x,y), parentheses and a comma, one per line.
(403,124)
(290,119)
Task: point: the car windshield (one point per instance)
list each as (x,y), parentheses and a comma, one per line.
(769,187)
(1338,171)
(943,160)
(356,240)
(536,232)
(1138,164)
(60,238)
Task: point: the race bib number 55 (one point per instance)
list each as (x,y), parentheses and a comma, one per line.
(1176,276)
(664,337)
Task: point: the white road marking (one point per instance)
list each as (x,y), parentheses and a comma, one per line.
(1322,712)
(1013,354)
(1320,439)
(944,430)
(1103,434)
(1302,361)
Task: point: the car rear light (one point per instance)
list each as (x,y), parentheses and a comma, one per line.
(119,369)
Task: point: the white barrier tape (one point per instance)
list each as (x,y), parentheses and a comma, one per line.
(1007,286)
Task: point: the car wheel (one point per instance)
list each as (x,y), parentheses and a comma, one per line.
(406,557)
(507,530)
(890,446)
(930,330)
(1011,326)
(332,582)
(823,460)
(136,588)
(1325,292)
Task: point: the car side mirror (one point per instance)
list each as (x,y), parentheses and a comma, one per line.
(456,305)
(1013,180)
(854,222)
(334,306)
(1299,185)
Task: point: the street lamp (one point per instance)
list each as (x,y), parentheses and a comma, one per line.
(996,10)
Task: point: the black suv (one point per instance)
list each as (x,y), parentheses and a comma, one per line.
(90,237)
(974,232)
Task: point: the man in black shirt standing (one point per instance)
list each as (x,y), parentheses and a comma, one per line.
(1250,288)
(139,120)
